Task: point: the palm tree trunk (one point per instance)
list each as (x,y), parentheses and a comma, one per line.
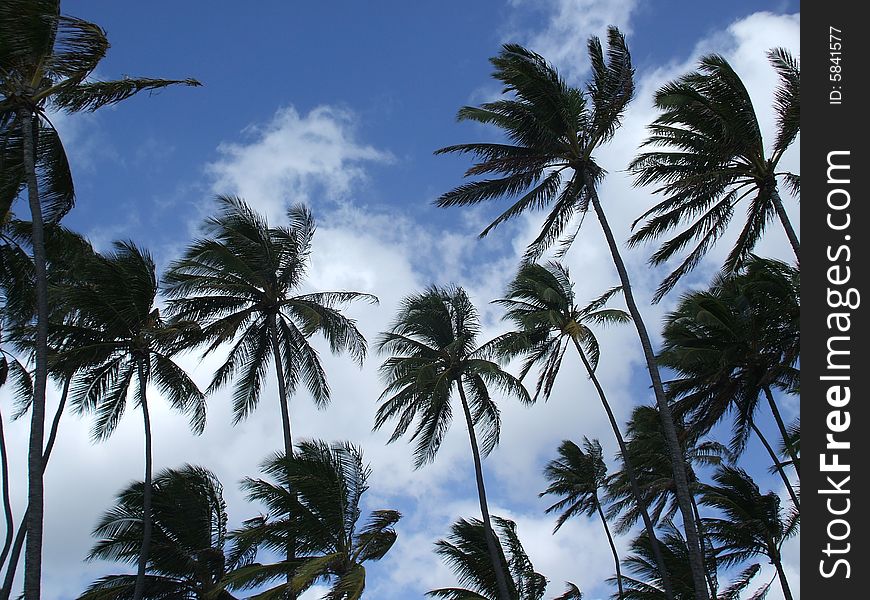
(35,499)
(629,470)
(139,590)
(708,571)
(6,590)
(494,555)
(786,590)
(285,423)
(7,502)
(612,548)
(777,464)
(696,561)
(786,224)
(783,431)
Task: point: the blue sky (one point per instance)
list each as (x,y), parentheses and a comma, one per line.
(341,105)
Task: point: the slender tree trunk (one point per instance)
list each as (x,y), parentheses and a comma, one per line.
(491,545)
(696,561)
(612,548)
(708,572)
(139,590)
(6,590)
(786,590)
(7,502)
(35,500)
(632,478)
(786,224)
(775,459)
(783,431)
(285,423)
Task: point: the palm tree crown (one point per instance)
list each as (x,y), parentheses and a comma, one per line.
(314,499)
(714,157)
(187,557)
(239,283)
(553,129)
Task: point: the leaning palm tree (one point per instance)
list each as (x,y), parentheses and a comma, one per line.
(187,558)
(239,284)
(466,551)
(577,476)
(46,60)
(751,524)
(434,352)
(713,158)
(313,498)
(541,302)
(554,130)
(116,341)
(733,344)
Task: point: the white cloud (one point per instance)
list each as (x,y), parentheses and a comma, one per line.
(293,157)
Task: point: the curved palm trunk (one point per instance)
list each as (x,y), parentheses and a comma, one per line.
(285,423)
(775,459)
(786,224)
(500,577)
(15,555)
(7,503)
(786,590)
(139,590)
(696,561)
(783,431)
(612,548)
(629,470)
(35,499)
(709,570)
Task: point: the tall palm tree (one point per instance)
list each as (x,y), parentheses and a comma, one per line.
(239,283)
(118,340)
(554,130)
(187,558)
(713,157)
(751,524)
(466,551)
(577,476)
(732,344)
(46,60)
(313,498)
(541,302)
(433,343)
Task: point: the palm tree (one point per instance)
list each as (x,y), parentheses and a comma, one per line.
(46,60)
(751,524)
(554,130)
(577,476)
(434,351)
(713,157)
(733,343)
(189,521)
(238,284)
(117,338)
(314,498)
(466,551)
(541,302)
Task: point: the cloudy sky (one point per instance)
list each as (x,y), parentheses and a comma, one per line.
(340,105)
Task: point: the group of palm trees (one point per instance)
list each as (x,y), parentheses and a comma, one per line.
(92,323)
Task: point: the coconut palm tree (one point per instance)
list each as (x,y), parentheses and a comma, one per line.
(577,476)
(189,528)
(751,524)
(712,158)
(733,344)
(541,302)
(434,352)
(314,498)
(118,341)
(466,551)
(239,284)
(46,60)
(553,131)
